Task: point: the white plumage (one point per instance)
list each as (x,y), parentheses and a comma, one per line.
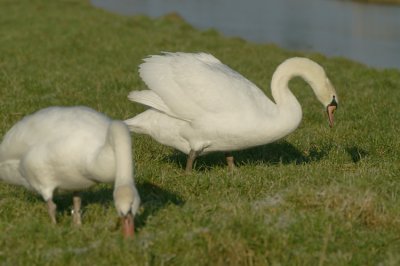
(199,105)
(70,148)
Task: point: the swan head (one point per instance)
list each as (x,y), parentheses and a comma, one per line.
(324,90)
(330,109)
(127,201)
(328,97)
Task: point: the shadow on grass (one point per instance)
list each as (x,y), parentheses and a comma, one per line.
(153,199)
(274,153)
(356,153)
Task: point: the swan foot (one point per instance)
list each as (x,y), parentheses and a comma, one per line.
(190,160)
(230,161)
(51,208)
(76,211)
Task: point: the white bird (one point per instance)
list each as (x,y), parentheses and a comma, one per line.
(70,149)
(199,105)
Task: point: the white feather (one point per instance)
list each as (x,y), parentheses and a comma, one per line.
(68,148)
(203,105)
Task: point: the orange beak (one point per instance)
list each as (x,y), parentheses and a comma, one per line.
(128,227)
(330,110)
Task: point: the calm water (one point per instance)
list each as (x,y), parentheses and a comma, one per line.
(366,33)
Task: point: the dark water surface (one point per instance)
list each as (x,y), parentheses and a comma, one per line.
(366,33)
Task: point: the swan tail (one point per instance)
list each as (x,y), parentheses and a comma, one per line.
(126,196)
(138,124)
(133,127)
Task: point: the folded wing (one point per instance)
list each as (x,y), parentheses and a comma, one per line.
(188,85)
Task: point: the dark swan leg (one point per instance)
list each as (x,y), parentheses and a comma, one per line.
(76,211)
(51,208)
(230,161)
(190,160)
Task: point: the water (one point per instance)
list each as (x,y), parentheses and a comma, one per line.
(366,33)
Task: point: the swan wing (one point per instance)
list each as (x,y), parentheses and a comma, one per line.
(191,84)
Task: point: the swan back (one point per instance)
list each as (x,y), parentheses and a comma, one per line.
(191,85)
(73,126)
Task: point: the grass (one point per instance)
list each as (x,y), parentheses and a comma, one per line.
(318,197)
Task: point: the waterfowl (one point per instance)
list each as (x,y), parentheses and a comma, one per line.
(71,149)
(199,105)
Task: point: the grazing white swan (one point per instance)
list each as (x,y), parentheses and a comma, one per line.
(199,105)
(70,149)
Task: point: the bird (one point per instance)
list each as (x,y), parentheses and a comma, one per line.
(61,149)
(199,105)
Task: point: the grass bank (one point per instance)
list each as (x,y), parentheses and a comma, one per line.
(318,197)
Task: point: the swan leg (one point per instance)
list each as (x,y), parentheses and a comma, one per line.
(51,208)
(190,160)
(230,161)
(76,211)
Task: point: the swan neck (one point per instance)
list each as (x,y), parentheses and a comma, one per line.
(120,140)
(114,159)
(308,70)
(289,108)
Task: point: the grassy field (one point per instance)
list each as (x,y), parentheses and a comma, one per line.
(320,196)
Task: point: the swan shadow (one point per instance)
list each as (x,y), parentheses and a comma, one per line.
(153,199)
(281,152)
(356,154)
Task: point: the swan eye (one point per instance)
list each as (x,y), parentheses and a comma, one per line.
(333,102)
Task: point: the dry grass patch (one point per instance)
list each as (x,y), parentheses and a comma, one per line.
(354,206)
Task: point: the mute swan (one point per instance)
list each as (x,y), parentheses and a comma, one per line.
(71,148)
(199,105)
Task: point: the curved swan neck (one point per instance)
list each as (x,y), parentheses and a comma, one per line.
(119,138)
(310,71)
(116,151)
(289,109)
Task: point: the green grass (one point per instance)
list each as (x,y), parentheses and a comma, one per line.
(318,197)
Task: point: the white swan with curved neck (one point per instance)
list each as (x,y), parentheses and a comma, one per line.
(199,105)
(70,149)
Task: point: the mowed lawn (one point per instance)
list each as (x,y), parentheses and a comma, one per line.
(320,196)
